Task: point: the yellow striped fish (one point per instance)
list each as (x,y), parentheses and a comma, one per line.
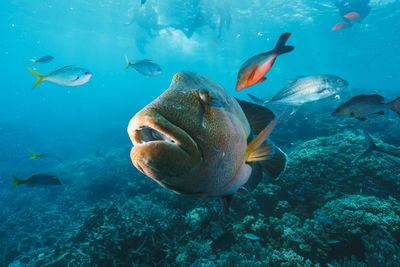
(197,139)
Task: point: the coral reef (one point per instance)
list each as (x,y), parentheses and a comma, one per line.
(323,211)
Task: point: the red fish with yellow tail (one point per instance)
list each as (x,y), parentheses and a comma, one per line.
(197,139)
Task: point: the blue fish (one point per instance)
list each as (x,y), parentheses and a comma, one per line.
(251,236)
(145,67)
(45,59)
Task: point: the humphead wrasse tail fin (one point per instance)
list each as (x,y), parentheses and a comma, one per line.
(280,47)
(256,100)
(16,183)
(33,60)
(395,105)
(128,63)
(258,149)
(370,147)
(38,76)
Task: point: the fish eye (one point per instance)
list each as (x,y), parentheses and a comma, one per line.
(338,81)
(86,73)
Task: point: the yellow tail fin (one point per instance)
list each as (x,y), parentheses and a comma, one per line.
(256,152)
(128,63)
(33,60)
(39,77)
(16,183)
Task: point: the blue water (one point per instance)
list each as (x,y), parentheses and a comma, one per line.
(78,122)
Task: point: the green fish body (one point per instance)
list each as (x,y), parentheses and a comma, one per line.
(37,180)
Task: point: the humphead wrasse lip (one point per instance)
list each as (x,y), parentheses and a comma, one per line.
(157,141)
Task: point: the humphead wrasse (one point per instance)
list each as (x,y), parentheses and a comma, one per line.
(197,139)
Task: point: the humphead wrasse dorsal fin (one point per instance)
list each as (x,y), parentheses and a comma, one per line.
(256,115)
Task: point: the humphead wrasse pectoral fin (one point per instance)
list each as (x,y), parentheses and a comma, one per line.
(256,152)
(39,77)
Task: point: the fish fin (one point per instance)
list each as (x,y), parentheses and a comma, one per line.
(128,63)
(380,112)
(262,79)
(16,182)
(280,47)
(254,179)
(34,155)
(256,115)
(276,165)
(370,147)
(226,202)
(39,77)
(291,80)
(294,110)
(253,151)
(395,105)
(33,60)
(242,191)
(256,100)
(361,118)
(252,73)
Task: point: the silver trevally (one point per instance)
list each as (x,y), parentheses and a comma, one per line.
(145,66)
(361,106)
(306,89)
(67,76)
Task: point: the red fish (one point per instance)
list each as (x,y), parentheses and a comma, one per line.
(353,16)
(341,26)
(254,69)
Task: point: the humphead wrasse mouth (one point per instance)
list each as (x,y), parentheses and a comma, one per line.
(160,148)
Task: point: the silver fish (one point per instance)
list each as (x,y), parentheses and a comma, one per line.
(372,148)
(363,105)
(306,89)
(145,67)
(67,76)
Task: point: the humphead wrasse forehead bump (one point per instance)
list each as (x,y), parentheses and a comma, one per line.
(196,139)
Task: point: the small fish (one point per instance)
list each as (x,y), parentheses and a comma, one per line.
(67,76)
(353,16)
(306,89)
(251,236)
(145,67)
(34,155)
(197,139)
(341,26)
(333,242)
(37,180)
(45,59)
(255,68)
(142,2)
(372,148)
(363,105)
(325,220)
